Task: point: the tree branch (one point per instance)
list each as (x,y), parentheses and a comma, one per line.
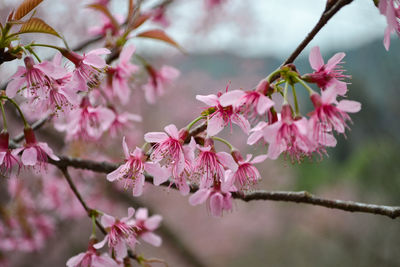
(288,196)
(331,9)
(65,172)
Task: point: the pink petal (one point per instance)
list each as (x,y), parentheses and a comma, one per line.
(29,156)
(160,175)
(74,261)
(14,86)
(139,184)
(116,174)
(153,222)
(48,151)
(127,53)
(95,61)
(315,58)
(231,98)
(211,100)
(333,61)
(259,159)
(199,197)
(227,160)
(172,131)
(120,250)
(216,204)
(169,73)
(101,243)
(215,125)
(386,39)
(99,51)
(125,148)
(155,137)
(264,104)
(107,220)
(349,106)
(152,239)
(142,214)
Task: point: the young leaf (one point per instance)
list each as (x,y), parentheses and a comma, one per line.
(106,12)
(160,35)
(26,7)
(140,20)
(37,25)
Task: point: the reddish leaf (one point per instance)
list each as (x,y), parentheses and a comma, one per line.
(26,7)
(37,25)
(140,20)
(160,35)
(106,12)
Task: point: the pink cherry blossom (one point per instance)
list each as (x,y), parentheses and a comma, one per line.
(329,74)
(36,78)
(330,114)
(107,27)
(86,122)
(157,81)
(132,171)
(87,68)
(222,116)
(91,258)
(246,174)
(287,135)
(121,234)
(33,152)
(146,226)
(391,9)
(209,166)
(7,156)
(121,73)
(158,16)
(168,149)
(123,121)
(251,103)
(218,197)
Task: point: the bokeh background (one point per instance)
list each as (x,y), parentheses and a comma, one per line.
(240,43)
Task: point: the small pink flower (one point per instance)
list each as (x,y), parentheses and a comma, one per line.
(146,225)
(251,103)
(158,16)
(7,156)
(91,258)
(132,171)
(121,234)
(107,27)
(219,197)
(391,9)
(209,166)
(87,122)
(36,77)
(329,74)
(246,174)
(330,114)
(121,73)
(286,135)
(168,149)
(157,81)
(33,152)
(123,121)
(222,116)
(87,68)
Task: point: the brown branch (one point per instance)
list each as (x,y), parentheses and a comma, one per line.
(88,210)
(333,6)
(288,196)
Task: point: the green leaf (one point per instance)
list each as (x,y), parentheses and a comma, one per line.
(26,7)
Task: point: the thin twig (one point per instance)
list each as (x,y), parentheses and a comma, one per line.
(86,207)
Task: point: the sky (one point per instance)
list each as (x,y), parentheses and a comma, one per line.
(262,28)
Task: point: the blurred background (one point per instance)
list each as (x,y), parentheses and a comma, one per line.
(241,42)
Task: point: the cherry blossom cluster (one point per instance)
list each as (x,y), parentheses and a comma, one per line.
(192,162)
